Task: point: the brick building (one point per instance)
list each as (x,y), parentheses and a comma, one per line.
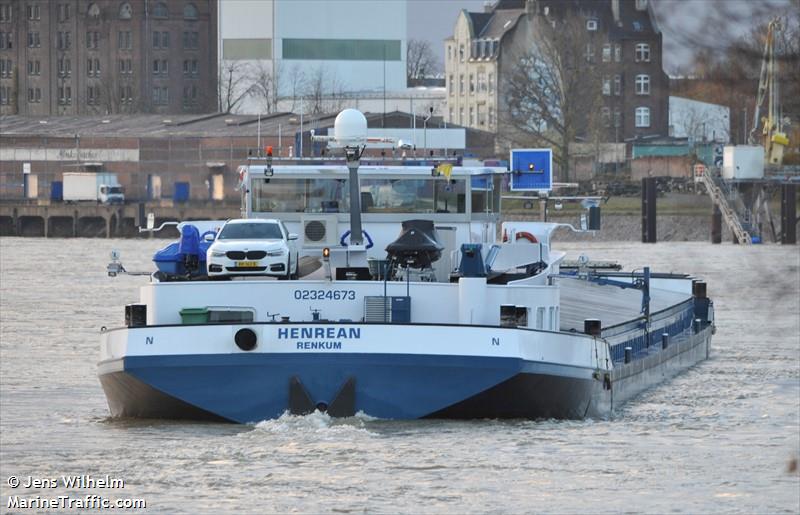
(625,42)
(77,57)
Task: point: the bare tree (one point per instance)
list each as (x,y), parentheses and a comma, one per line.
(421,62)
(322,91)
(265,87)
(291,84)
(553,91)
(235,83)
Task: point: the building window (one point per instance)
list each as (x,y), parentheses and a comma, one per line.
(190,12)
(4,94)
(63,12)
(62,67)
(34,13)
(160,67)
(606,116)
(5,12)
(617,85)
(160,10)
(125,11)
(591,24)
(92,40)
(607,53)
(471,116)
(33,40)
(64,40)
(160,96)
(165,40)
(450,54)
(34,67)
(93,95)
(642,84)
(617,118)
(642,53)
(93,67)
(482,82)
(618,53)
(65,95)
(191,40)
(461,53)
(643,117)
(606,86)
(93,11)
(190,67)
(461,116)
(461,84)
(471,83)
(450,84)
(451,115)
(124,40)
(125,67)
(125,95)
(491,116)
(491,83)
(589,53)
(481,115)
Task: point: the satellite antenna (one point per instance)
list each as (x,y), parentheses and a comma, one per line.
(350,134)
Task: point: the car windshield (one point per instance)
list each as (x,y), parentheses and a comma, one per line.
(258,231)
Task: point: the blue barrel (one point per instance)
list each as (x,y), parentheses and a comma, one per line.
(181,194)
(57,191)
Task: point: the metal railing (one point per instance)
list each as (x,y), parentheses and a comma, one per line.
(719,198)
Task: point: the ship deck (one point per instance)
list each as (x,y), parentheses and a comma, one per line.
(612,305)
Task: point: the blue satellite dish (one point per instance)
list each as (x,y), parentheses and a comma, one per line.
(532,169)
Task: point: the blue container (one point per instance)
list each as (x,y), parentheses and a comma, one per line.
(57,191)
(181,194)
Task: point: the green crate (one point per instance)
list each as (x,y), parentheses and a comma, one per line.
(194,316)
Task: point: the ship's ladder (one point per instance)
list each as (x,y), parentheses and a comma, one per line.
(728,214)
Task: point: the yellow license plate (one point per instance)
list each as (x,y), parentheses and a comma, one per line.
(246,264)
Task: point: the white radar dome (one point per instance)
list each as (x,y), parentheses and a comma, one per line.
(350,128)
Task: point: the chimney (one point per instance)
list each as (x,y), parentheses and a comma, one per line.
(615,11)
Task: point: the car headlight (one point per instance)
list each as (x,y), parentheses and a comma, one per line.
(217,253)
(275,253)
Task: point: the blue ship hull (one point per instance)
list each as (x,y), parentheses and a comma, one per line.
(249,388)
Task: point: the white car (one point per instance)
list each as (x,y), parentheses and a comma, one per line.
(253,247)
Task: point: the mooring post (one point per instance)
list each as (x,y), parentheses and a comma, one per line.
(788,214)
(649,210)
(716,225)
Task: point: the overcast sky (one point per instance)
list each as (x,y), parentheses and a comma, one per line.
(686,24)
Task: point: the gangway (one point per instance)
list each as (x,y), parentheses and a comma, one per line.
(728,214)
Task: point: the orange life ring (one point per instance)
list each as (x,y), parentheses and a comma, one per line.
(528,236)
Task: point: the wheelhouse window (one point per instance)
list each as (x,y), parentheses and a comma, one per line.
(378,195)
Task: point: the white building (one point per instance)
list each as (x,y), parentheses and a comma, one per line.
(699,121)
(288,50)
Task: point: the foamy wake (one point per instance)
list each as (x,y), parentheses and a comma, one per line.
(317,422)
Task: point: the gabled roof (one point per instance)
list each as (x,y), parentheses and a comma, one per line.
(501,22)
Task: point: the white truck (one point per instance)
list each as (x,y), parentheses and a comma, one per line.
(96,187)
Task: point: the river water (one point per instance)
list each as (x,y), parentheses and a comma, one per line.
(718,438)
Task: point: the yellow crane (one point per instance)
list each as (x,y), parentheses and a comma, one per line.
(775,140)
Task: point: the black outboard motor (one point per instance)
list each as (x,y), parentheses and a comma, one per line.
(417,246)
